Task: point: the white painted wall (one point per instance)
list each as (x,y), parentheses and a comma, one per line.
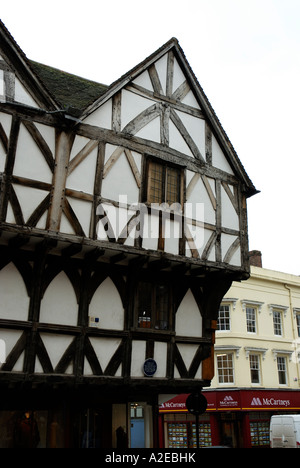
(14,303)
(59,304)
(188,317)
(106,304)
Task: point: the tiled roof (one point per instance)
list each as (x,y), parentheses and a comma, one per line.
(72,92)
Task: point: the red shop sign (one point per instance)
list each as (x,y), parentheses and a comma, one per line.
(178,403)
(270,400)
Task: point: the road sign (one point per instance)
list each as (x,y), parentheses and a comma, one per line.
(196,403)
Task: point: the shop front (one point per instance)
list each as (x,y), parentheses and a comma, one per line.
(235,418)
(76,419)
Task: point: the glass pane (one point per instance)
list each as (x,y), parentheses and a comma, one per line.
(155,183)
(144,305)
(162,307)
(172,187)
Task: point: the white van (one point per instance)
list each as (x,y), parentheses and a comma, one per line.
(285,431)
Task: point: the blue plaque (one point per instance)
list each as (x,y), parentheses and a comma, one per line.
(150,367)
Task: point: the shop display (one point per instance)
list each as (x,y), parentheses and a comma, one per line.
(260,433)
(178,435)
(183,435)
(204,435)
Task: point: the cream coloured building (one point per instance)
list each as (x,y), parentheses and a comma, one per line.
(256,359)
(258,335)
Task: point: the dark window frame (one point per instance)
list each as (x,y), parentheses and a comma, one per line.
(153,312)
(166,169)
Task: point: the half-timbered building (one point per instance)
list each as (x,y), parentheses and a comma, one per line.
(123,223)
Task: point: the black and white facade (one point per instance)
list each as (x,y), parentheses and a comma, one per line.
(123,223)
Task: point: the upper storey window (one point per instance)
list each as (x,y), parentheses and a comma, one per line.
(163,183)
(153,305)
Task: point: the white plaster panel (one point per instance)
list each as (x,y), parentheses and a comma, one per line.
(138,358)
(106,305)
(105,348)
(187,352)
(22,95)
(132,106)
(150,232)
(55,345)
(144,80)
(161,68)
(172,236)
(199,205)
(65,225)
(5,120)
(59,304)
(226,242)
(195,128)
(48,133)
(29,199)
(78,144)
(201,236)
(230,217)
(190,100)
(10,217)
(177,142)
(178,76)
(14,303)
(30,162)
(82,178)
(102,116)
(160,356)
(218,157)
(151,131)
(120,181)
(198,235)
(82,209)
(188,317)
(10,338)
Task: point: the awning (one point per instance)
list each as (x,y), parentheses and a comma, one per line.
(239,400)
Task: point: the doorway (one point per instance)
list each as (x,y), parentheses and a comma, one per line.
(231,433)
(137,426)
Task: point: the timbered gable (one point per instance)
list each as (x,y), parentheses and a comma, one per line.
(18,82)
(152,128)
(123,223)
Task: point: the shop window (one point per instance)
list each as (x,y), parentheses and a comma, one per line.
(254,368)
(282,370)
(180,431)
(225,368)
(251,319)
(153,305)
(277,323)
(224,318)
(260,433)
(163,183)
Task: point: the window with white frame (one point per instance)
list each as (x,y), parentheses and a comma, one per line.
(225,368)
(252,309)
(277,322)
(254,361)
(251,319)
(282,370)
(298,323)
(224,318)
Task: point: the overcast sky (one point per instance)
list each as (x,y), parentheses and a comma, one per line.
(246,56)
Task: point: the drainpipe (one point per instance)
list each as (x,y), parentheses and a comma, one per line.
(295,335)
